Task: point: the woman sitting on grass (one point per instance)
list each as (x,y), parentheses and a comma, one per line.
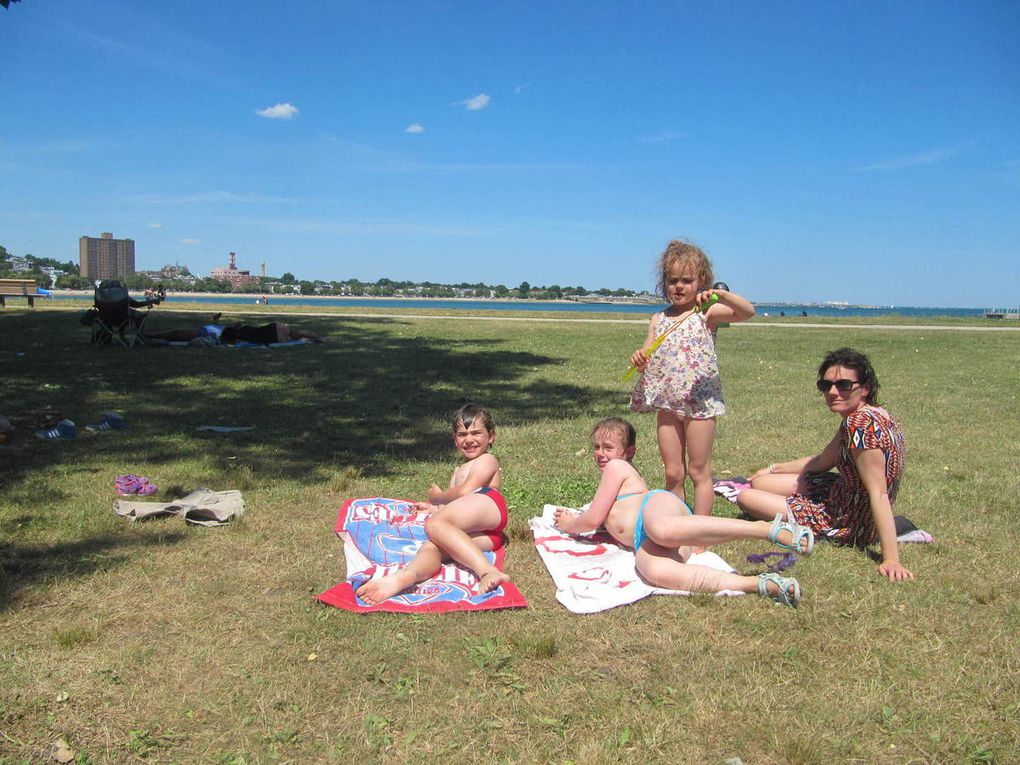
(661,529)
(854,505)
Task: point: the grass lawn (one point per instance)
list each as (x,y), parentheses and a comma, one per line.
(160,642)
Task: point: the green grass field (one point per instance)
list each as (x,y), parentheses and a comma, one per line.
(165,643)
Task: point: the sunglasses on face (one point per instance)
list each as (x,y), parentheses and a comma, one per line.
(843,386)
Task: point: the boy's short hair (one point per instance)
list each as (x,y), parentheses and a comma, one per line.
(617,425)
(471,412)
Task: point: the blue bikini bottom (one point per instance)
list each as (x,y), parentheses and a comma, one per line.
(639,524)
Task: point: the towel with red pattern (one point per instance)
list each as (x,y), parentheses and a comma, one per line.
(380,535)
(594,573)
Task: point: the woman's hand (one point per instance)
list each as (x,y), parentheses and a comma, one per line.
(424,507)
(896,571)
(769,470)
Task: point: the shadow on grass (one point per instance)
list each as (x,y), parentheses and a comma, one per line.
(376,395)
(22,566)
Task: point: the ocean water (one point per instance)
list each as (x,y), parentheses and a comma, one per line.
(769,309)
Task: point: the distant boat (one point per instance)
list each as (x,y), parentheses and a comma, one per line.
(840,304)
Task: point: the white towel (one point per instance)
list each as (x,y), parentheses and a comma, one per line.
(593,573)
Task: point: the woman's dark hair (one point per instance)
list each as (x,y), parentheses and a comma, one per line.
(230,333)
(471,412)
(857,361)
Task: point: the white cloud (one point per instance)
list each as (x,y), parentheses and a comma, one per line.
(475,103)
(397,166)
(70,145)
(665,136)
(414,128)
(208,197)
(925,158)
(520,88)
(155,225)
(278,112)
(189,241)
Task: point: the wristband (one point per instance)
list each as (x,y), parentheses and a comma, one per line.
(772,468)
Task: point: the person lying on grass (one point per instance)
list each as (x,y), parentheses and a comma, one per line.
(230,334)
(852,506)
(661,529)
(465,519)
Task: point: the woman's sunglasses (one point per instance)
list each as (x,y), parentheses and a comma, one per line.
(843,386)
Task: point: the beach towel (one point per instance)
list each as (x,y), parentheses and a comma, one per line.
(379,536)
(594,573)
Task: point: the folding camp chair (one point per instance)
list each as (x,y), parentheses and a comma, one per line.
(115,316)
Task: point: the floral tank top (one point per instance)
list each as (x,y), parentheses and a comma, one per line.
(683,374)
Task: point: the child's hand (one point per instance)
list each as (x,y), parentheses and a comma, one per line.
(563,519)
(705,295)
(639,359)
(434,492)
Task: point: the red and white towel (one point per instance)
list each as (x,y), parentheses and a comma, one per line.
(593,573)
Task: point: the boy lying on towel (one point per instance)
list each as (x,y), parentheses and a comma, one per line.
(464,519)
(661,529)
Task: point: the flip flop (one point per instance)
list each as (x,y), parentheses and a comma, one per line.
(128,485)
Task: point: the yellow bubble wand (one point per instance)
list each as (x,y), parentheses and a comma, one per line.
(658,341)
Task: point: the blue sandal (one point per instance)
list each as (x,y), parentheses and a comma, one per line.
(797,534)
(788,593)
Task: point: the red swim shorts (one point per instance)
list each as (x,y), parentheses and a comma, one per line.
(496,533)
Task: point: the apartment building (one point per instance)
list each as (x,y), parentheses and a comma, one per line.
(105,257)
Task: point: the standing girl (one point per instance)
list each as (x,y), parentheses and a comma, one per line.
(681,380)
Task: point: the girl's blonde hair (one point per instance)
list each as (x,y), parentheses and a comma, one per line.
(620,427)
(684,254)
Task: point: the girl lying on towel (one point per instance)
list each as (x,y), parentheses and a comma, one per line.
(662,530)
(464,519)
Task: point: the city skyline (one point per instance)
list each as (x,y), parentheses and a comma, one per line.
(858,152)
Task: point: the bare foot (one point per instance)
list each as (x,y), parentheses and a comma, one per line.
(375,591)
(491,580)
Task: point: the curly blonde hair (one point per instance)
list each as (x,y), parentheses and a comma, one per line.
(684,254)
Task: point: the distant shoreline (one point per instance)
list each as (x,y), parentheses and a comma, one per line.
(778,304)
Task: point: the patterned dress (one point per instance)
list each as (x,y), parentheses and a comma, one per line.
(683,375)
(837,505)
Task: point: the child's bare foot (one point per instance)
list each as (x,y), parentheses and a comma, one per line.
(491,580)
(376,591)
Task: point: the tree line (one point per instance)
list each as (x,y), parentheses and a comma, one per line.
(184,281)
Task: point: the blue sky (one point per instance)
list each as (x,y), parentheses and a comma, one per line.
(860,151)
